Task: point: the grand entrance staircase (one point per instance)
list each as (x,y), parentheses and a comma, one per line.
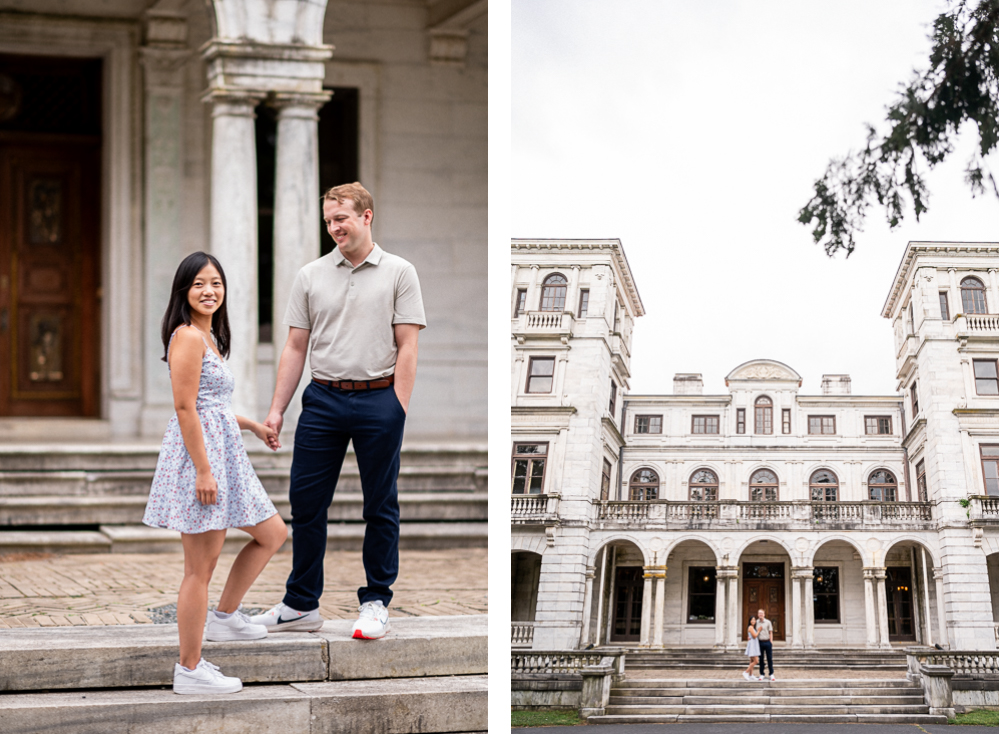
(89,498)
(829,659)
(739,701)
(427,675)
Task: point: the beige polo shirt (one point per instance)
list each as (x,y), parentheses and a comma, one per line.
(764,629)
(350,312)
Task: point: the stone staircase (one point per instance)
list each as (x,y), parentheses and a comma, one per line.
(814,659)
(427,675)
(808,701)
(89,498)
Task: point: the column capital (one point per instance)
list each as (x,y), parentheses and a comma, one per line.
(938,573)
(723,572)
(802,572)
(871,572)
(303,105)
(230,102)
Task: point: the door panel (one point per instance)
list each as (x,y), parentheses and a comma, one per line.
(899,605)
(627,605)
(48,278)
(764,588)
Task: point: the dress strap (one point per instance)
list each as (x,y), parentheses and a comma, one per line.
(171,342)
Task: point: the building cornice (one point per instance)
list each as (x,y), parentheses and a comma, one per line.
(611,246)
(915,249)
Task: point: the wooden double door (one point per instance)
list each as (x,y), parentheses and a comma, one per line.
(627,606)
(50,182)
(764,588)
(899,604)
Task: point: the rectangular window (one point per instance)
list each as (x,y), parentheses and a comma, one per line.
(826,594)
(581,312)
(878,425)
(705,424)
(921,482)
(986,376)
(786,420)
(914,403)
(701,594)
(605,480)
(519,301)
(943,300)
(649,424)
(611,403)
(823,424)
(763,494)
(988,453)
(528,470)
(540,372)
(762,420)
(741,420)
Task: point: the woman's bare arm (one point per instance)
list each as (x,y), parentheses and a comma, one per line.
(186,354)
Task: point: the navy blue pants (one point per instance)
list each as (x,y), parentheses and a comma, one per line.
(765,651)
(331,418)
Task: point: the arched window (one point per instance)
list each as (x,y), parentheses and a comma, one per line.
(973,295)
(823,486)
(882,486)
(554,293)
(704,486)
(762,415)
(645,485)
(764,486)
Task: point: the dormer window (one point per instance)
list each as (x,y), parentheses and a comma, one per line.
(554,293)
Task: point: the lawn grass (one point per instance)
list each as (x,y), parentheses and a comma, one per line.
(544,718)
(980,717)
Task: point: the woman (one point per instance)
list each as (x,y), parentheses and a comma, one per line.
(204,482)
(753,649)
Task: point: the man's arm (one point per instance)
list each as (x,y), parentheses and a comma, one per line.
(406,362)
(293,359)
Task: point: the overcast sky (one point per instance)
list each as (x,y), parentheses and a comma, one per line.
(693,131)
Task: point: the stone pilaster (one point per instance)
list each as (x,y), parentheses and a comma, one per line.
(660,582)
(871,618)
(647,593)
(883,610)
(588,595)
(939,593)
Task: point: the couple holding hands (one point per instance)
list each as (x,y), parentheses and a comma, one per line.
(357,313)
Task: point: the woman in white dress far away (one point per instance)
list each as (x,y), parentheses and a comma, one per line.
(753,649)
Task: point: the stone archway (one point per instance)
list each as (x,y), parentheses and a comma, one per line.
(766,582)
(691,611)
(834,599)
(618,609)
(525,569)
(908,607)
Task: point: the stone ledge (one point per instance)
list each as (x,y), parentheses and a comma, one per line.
(120,657)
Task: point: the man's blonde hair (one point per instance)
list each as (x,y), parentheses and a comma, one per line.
(356,193)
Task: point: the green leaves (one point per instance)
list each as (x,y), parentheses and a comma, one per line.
(959,86)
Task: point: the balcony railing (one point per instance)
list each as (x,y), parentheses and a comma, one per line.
(792,515)
(521,634)
(526,509)
(977,323)
(983,509)
(544,323)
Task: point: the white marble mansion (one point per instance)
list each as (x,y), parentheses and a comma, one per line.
(134,132)
(658,521)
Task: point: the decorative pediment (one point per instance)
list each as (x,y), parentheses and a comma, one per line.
(764,369)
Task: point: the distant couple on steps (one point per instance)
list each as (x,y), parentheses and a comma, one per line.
(758,645)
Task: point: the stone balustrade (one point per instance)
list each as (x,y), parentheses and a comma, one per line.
(978,665)
(734,514)
(983,509)
(543,323)
(977,323)
(534,509)
(522,634)
(549,663)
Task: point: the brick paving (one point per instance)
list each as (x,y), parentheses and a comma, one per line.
(51,590)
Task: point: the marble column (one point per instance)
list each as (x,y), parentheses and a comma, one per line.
(234,232)
(810,611)
(661,582)
(647,603)
(871,621)
(588,594)
(297,214)
(883,610)
(600,596)
(928,636)
(163,74)
(720,609)
(796,609)
(733,623)
(939,593)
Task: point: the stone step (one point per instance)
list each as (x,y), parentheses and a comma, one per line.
(128,509)
(790,718)
(760,709)
(142,539)
(817,694)
(144,655)
(438,704)
(709,683)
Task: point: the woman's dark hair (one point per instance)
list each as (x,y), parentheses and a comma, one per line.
(178,310)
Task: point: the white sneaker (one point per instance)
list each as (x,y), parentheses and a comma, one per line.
(760,678)
(773,678)
(205,678)
(373,621)
(282,618)
(236,626)
(746,675)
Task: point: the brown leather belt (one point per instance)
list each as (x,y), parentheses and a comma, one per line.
(356,385)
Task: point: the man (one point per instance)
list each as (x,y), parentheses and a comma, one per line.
(764,630)
(357,311)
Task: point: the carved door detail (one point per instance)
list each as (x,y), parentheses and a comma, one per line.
(49,278)
(764,588)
